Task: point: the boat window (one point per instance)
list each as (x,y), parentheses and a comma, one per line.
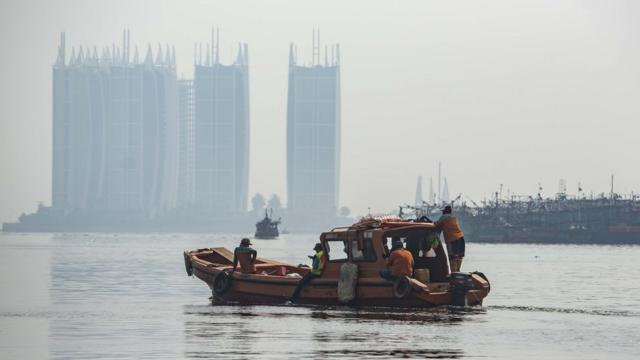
(386,243)
(367,252)
(336,250)
(418,239)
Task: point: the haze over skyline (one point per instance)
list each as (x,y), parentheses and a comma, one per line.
(501,93)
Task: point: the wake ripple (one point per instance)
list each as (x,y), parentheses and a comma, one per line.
(596,312)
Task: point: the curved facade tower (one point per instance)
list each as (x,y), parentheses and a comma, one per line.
(79,130)
(141,172)
(115,132)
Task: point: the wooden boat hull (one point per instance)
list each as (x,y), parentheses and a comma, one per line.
(207,264)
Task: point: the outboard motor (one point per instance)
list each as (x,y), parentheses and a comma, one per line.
(460,284)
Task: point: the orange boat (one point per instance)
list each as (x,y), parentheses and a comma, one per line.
(351,276)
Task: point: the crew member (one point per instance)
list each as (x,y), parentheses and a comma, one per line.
(399,263)
(453,236)
(246,256)
(318,264)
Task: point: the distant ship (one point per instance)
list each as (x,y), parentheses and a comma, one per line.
(267,228)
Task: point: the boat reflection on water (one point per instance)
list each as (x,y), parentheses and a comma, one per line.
(444,314)
(398,353)
(321,331)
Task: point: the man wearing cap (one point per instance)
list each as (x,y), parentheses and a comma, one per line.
(318,264)
(246,256)
(399,263)
(453,236)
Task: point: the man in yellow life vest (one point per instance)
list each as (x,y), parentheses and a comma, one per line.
(453,236)
(318,264)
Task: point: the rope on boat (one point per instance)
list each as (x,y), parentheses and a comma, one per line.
(187,264)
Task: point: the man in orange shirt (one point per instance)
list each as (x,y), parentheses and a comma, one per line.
(399,263)
(453,236)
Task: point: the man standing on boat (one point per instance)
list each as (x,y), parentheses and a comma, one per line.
(399,263)
(318,264)
(246,256)
(453,236)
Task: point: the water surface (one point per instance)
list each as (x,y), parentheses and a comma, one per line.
(125,296)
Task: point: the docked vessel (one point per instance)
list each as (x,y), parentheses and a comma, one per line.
(362,246)
(565,219)
(562,220)
(267,228)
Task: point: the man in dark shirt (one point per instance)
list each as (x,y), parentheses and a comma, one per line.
(246,256)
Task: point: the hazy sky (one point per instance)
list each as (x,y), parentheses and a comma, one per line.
(502,92)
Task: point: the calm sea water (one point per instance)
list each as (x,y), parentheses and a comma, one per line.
(104,296)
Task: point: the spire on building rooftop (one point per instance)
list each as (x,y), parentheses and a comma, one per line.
(148,59)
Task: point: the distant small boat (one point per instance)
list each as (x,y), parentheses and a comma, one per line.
(355,253)
(267,228)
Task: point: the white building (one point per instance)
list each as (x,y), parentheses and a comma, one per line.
(187,143)
(221,166)
(313,131)
(79,122)
(115,131)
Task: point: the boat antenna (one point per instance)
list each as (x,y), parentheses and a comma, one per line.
(611,194)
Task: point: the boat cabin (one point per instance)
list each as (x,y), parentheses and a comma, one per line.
(369,248)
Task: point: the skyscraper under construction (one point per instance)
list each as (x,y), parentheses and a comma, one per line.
(221,166)
(313,130)
(186,141)
(114,130)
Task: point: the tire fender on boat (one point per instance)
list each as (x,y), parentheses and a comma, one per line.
(187,264)
(222,283)
(401,287)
